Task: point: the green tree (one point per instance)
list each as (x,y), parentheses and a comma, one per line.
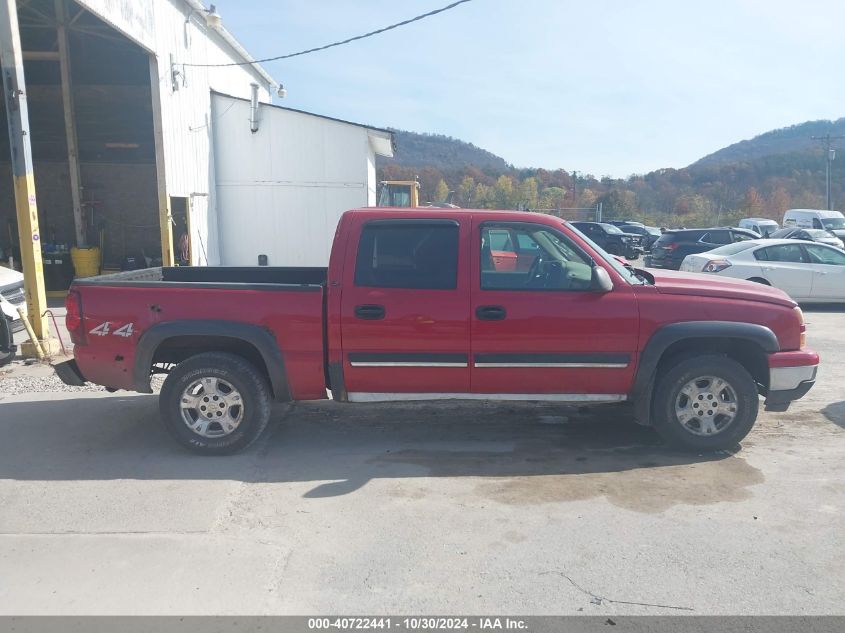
(466,192)
(529,193)
(441,192)
(503,194)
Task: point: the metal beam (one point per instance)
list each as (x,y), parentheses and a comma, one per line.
(165,219)
(17,113)
(70,125)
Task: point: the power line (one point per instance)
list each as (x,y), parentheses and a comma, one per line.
(341,43)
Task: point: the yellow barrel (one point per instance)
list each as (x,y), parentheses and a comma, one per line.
(86,261)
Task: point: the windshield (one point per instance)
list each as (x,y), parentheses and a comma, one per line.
(612,229)
(817,233)
(628,274)
(731,249)
(833,223)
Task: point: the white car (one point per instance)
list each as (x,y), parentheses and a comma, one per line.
(808,272)
(11,296)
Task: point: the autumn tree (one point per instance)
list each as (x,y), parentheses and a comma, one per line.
(466,191)
(441,192)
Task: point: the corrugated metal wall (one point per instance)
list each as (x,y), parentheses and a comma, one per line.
(281,191)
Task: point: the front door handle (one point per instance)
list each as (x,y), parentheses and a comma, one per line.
(490,313)
(369,312)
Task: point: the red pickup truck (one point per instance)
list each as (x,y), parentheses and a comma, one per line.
(434,304)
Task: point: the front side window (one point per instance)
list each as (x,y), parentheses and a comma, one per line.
(741,237)
(405,254)
(821,255)
(833,223)
(546,260)
(783,253)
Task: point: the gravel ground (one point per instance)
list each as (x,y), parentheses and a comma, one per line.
(18,378)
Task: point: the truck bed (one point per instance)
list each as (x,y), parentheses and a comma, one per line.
(126,314)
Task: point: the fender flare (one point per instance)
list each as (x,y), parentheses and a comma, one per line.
(261,339)
(667,335)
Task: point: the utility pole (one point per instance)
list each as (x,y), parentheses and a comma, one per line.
(17,113)
(829,157)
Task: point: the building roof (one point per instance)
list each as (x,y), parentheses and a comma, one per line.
(385,149)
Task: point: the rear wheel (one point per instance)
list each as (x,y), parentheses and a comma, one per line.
(215,403)
(705,403)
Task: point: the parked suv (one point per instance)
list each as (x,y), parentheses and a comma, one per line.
(669,251)
(612,239)
(648,234)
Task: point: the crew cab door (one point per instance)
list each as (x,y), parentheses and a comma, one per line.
(544,333)
(405,309)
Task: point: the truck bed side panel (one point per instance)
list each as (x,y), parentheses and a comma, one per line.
(293,316)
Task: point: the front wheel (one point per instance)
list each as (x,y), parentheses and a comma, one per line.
(705,403)
(215,403)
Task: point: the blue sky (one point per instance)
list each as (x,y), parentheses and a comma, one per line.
(608,87)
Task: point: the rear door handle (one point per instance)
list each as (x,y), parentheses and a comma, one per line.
(369,312)
(490,313)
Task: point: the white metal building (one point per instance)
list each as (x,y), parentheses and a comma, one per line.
(282,188)
(120,121)
(128,128)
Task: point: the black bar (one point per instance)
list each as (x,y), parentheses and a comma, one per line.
(587,359)
(402,357)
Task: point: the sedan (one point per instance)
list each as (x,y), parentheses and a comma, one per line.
(812,235)
(808,272)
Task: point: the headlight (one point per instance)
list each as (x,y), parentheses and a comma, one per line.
(716,266)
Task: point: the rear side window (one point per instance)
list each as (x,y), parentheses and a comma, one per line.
(782,253)
(408,255)
(717,237)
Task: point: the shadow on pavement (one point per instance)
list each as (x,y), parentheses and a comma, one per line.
(521,453)
(835,412)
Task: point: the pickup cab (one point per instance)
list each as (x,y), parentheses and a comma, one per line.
(416,304)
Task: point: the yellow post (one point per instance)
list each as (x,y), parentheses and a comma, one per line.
(17,114)
(165,220)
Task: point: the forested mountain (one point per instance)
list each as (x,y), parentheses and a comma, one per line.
(796,138)
(763,176)
(443,152)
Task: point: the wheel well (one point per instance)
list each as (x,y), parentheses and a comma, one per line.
(173,351)
(747,353)
(759,280)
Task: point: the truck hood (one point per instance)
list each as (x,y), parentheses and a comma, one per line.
(706,285)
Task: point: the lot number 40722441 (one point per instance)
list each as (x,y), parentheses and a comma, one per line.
(104,329)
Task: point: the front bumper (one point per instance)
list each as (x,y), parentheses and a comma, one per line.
(791,376)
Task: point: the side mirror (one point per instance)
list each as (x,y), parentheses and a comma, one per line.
(601,281)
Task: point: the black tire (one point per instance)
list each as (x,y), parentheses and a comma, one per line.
(668,393)
(252,390)
(7,347)
(759,280)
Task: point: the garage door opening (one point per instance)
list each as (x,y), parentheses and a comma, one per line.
(92,137)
